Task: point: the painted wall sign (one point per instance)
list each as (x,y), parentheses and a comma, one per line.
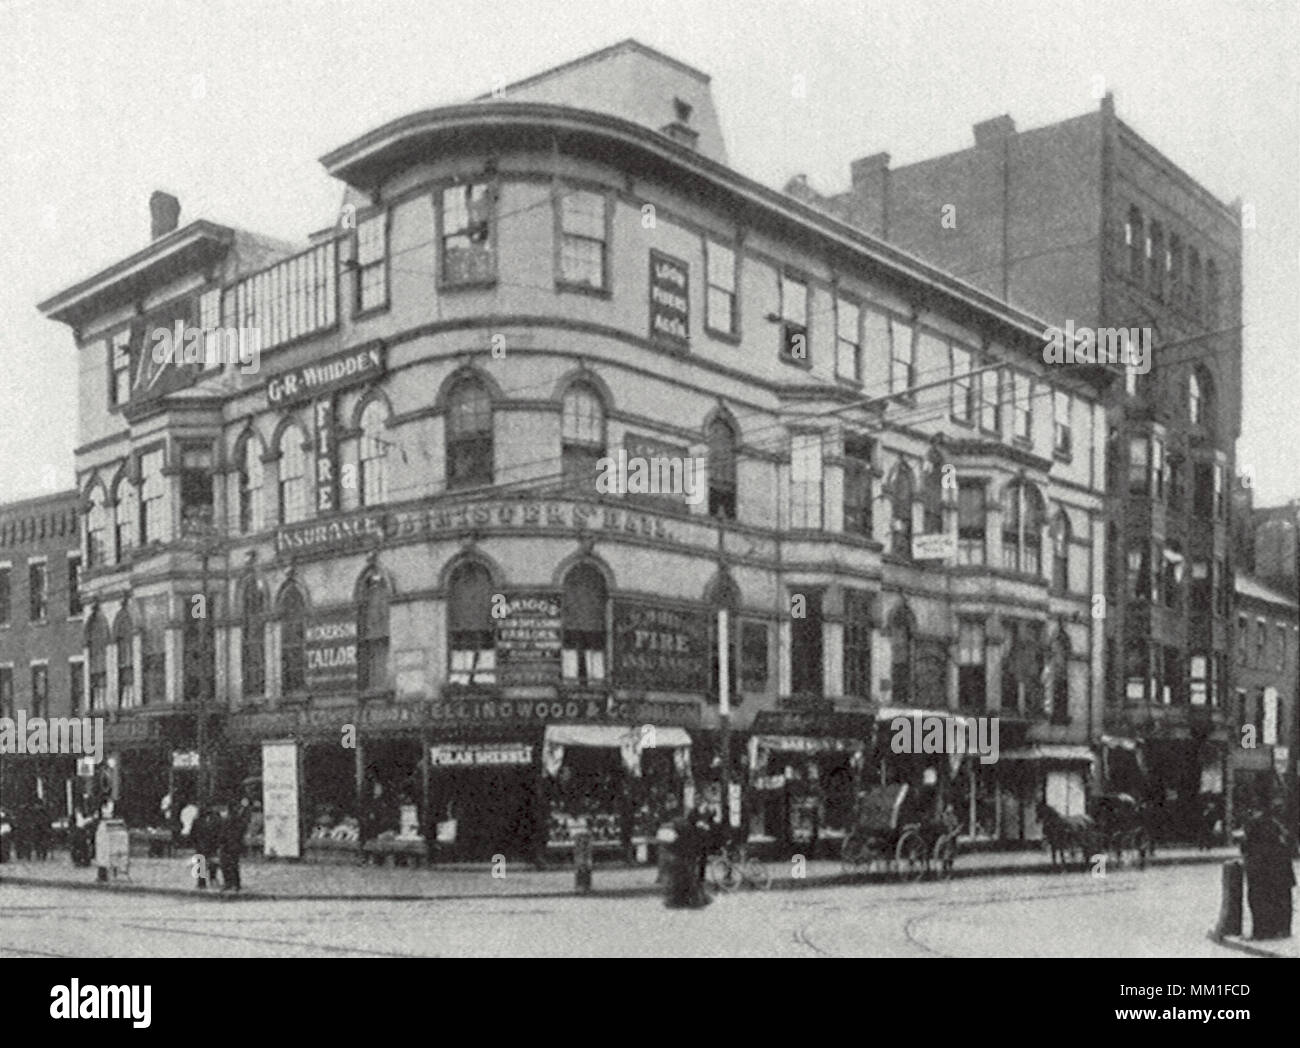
(528,639)
(330,651)
(523,514)
(359,529)
(480,754)
(565,708)
(663,648)
(670,309)
(326,455)
(335,372)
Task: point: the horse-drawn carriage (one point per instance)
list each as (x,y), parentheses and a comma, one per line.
(1115,826)
(891,830)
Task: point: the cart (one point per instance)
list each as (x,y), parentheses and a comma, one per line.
(891,834)
(1121,827)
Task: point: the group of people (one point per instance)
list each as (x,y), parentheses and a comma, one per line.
(30,830)
(216,835)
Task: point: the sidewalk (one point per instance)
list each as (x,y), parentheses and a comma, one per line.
(295,881)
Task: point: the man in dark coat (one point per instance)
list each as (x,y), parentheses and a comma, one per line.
(232,843)
(1269,876)
(206,838)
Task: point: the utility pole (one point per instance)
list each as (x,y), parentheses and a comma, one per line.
(204,666)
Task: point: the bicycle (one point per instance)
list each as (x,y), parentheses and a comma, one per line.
(729,869)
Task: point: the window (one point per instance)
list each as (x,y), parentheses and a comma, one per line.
(582,238)
(848,340)
(1172,578)
(1203,489)
(753,655)
(1211,293)
(97,646)
(1220,505)
(120,362)
(1261,642)
(74,585)
(1022,666)
(6,595)
(1198,692)
(374,451)
(1156,261)
(1157,483)
(1174,268)
(972,679)
(857,485)
(196,486)
(1135,241)
(40,689)
(932,495)
(1022,528)
(76,686)
(126,527)
(902,358)
(198,653)
(902,655)
(469,633)
(1139,466)
(155,525)
(250,486)
(582,433)
(857,643)
(902,494)
(582,655)
(153,648)
(794,319)
(293,476)
(372,633)
(469,436)
(38,591)
(1200,598)
(293,630)
(1193,297)
(963,385)
(1061,533)
(1062,439)
(806,480)
(372,262)
(6,691)
(210,325)
(990,404)
(1060,670)
(722,470)
(96,526)
(806,646)
(721,313)
(1130,382)
(1175,487)
(124,641)
(1243,638)
(1022,413)
(252,641)
(1195,399)
(1280,657)
(467,251)
(972,514)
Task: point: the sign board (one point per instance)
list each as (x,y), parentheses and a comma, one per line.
(185,759)
(660,647)
(330,651)
(670,300)
(939,546)
(349,368)
(113,846)
(412,673)
(480,754)
(332,536)
(528,639)
(85,767)
(280,815)
(325,453)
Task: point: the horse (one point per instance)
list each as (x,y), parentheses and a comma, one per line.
(1066,834)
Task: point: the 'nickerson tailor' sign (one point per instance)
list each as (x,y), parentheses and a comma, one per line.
(325,376)
(330,651)
(670,311)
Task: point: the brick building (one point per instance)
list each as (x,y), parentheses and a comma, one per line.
(1084,222)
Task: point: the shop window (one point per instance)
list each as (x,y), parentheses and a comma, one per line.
(806,480)
(1060,710)
(124,641)
(468,255)
(196,487)
(470,626)
(932,491)
(372,634)
(252,641)
(469,436)
(125,525)
(1061,537)
(155,518)
(250,475)
(902,654)
(582,238)
(96,528)
(38,591)
(721,306)
(753,656)
(372,262)
(374,454)
(902,494)
(794,320)
(806,645)
(858,452)
(972,516)
(848,340)
(972,678)
(963,385)
(1135,241)
(722,470)
(293,629)
(97,649)
(40,689)
(1022,528)
(74,585)
(153,645)
(582,435)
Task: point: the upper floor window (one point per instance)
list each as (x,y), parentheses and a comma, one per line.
(97,647)
(250,479)
(794,319)
(196,485)
(902,494)
(1200,398)
(1243,638)
(252,640)
(1193,298)
(1156,260)
(972,678)
(720,262)
(155,519)
(1060,670)
(468,255)
(857,485)
(125,525)
(583,610)
(1061,535)
(374,454)
(38,591)
(1062,434)
(806,480)
(848,340)
(582,435)
(372,262)
(469,436)
(470,634)
(1135,241)
(1022,528)
(96,526)
(1211,293)
(857,643)
(210,325)
(932,491)
(990,401)
(963,385)
(74,585)
(1021,389)
(1157,483)
(124,639)
(293,640)
(972,514)
(120,363)
(293,476)
(372,633)
(1174,267)
(902,654)
(902,357)
(1139,466)
(722,470)
(582,238)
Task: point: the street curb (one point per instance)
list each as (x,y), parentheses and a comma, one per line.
(1233,942)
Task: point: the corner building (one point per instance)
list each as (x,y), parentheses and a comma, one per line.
(407,540)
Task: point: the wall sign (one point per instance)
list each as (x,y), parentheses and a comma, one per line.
(335,372)
(670,310)
(330,651)
(663,648)
(359,529)
(528,639)
(480,754)
(326,455)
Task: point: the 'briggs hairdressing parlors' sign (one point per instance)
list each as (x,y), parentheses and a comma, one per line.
(670,309)
(666,649)
(330,652)
(528,639)
(326,376)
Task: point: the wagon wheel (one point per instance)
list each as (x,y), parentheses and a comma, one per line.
(944,855)
(723,875)
(911,855)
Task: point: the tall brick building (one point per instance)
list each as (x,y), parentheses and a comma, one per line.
(1086,221)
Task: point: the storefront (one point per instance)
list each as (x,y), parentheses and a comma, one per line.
(1052,773)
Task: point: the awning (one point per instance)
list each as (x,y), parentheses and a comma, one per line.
(1049,752)
(804,743)
(615,736)
(1115,741)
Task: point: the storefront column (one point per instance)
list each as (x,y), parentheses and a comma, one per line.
(172,647)
(359,763)
(832,658)
(784,637)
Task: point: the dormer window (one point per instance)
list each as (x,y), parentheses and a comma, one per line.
(683,110)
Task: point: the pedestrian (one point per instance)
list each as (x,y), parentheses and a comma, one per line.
(206,839)
(232,843)
(685,888)
(1269,875)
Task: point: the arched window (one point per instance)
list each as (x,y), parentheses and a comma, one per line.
(252,640)
(902,495)
(124,641)
(469,435)
(97,646)
(293,477)
(1135,241)
(1022,528)
(902,647)
(96,525)
(582,435)
(372,633)
(125,522)
(1061,533)
(722,470)
(293,629)
(932,494)
(251,516)
(469,626)
(1174,268)
(1156,260)
(1200,398)
(583,610)
(374,449)
(1060,711)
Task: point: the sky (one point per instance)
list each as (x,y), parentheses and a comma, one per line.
(228,104)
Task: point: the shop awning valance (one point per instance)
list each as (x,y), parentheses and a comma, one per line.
(804,743)
(615,736)
(1049,752)
(1116,742)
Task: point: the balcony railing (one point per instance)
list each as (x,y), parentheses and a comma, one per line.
(295,297)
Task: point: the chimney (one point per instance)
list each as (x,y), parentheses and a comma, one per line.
(991,132)
(164,213)
(867,168)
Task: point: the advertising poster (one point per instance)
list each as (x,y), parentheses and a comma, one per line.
(281,832)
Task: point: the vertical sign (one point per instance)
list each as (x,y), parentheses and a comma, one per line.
(326,456)
(280,833)
(670,310)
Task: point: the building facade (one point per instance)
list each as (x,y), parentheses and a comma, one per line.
(417,550)
(1086,223)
